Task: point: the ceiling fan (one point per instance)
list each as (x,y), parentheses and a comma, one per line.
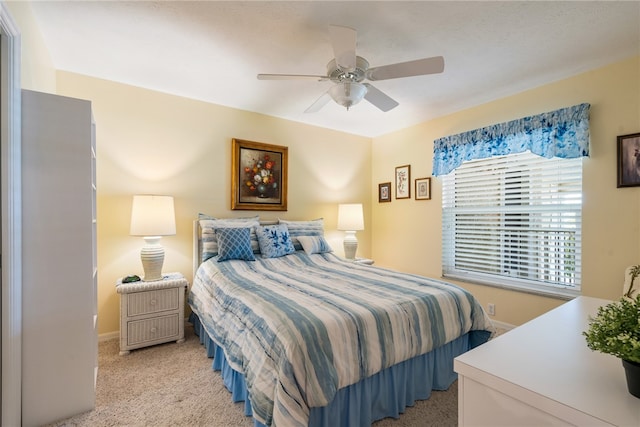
(349,71)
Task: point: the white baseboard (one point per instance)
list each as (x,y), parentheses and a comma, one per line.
(502,325)
(108,336)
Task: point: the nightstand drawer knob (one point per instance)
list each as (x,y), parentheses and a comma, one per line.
(153,330)
(152,302)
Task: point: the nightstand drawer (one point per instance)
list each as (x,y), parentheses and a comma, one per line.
(153,301)
(153,329)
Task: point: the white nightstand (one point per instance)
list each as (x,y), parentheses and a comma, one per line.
(363,261)
(151,312)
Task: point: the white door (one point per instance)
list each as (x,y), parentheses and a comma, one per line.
(10,213)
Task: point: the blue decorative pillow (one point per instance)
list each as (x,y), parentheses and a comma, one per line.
(274,241)
(209,239)
(234,243)
(314,244)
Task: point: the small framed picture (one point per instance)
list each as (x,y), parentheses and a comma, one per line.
(423,188)
(384,192)
(403,182)
(629,160)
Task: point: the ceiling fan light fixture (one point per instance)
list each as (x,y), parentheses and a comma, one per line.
(348,71)
(348,94)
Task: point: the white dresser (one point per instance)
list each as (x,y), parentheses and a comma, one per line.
(543,373)
(151,312)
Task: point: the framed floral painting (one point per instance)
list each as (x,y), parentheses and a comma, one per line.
(258,176)
(403,182)
(423,189)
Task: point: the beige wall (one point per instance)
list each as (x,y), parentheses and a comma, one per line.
(37,70)
(150,142)
(407,233)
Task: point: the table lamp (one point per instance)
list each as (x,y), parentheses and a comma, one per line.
(350,220)
(152,217)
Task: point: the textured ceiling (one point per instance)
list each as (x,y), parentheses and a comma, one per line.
(212,50)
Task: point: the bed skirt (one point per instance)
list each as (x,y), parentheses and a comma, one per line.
(385,394)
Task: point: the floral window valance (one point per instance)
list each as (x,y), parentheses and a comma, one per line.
(561,133)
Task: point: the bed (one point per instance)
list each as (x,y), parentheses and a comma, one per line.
(306,338)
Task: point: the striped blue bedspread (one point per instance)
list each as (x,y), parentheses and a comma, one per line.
(300,327)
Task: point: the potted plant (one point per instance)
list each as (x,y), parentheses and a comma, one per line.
(615,330)
(632,273)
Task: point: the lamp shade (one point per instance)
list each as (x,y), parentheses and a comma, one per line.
(350,217)
(152,216)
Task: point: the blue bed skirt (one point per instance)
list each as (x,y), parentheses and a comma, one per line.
(385,394)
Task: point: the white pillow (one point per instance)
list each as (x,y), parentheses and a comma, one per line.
(314,244)
(303,228)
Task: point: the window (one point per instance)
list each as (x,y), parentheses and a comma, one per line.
(514,221)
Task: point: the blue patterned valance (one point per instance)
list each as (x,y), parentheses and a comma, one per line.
(561,133)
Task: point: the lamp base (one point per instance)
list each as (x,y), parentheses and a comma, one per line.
(152,256)
(350,244)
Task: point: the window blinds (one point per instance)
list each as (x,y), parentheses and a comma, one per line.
(514,220)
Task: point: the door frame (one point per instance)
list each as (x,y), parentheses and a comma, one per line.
(11,213)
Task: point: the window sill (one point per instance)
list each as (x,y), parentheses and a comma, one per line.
(557,293)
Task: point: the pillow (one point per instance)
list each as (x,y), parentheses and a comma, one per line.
(234,243)
(274,241)
(303,228)
(208,238)
(314,244)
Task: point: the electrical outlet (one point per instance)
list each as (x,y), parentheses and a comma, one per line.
(491,309)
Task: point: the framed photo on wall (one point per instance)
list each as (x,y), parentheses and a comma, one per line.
(423,188)
(258,176)
(384,192)
(403,182)
(629,160)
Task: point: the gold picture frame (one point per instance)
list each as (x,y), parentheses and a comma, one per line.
(423,188)
(258,176)
(403,182)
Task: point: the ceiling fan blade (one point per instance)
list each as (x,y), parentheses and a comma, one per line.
(418,67)
(379,98)
(292,77)
(343,40)
(319,103)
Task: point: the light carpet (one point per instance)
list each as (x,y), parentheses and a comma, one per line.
(173,385)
